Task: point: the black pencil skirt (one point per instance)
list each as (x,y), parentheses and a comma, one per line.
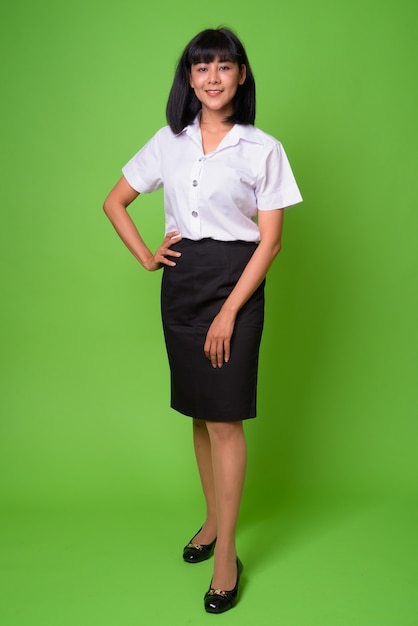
(192,294)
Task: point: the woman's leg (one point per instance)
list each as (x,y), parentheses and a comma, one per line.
(203,453)
(229,458)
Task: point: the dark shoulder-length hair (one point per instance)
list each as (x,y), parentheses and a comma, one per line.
(183,105)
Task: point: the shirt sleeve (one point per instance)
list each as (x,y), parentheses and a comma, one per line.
(276,186)
(143,171)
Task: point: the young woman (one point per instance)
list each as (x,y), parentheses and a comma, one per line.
(225,185)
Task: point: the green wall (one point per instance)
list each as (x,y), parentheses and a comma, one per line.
(84,376)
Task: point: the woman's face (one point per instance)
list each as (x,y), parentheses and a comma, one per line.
(215,84)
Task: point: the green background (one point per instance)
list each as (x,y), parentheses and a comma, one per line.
(98,485)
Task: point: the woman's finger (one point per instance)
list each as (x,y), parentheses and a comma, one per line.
(165,251)
(214,351)
(173,236)
(227,350)
(220,354)
(214,354)
(161,257)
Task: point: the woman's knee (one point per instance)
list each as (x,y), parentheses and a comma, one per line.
(224,430)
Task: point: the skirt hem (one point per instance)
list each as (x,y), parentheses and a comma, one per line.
(211,418)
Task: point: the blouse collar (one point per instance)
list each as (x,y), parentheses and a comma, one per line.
(238,132)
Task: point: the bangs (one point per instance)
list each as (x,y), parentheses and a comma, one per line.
(212,44)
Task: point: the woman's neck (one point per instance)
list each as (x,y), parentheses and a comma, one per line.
(213,131)
(214,122)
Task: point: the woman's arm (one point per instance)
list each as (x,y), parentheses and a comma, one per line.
(218,338)
(115,206)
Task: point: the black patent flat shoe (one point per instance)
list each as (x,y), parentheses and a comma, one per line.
(198,552)
(219,601)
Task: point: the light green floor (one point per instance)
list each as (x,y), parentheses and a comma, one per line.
(315,561)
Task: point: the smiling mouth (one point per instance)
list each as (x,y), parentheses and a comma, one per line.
(214,91)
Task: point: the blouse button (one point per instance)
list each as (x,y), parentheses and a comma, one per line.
(195,213)
(195,183)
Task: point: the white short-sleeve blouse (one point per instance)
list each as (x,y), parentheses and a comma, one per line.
(216,194)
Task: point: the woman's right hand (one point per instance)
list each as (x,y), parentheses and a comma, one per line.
(164,252)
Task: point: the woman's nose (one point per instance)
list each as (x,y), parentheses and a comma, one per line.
(213,76)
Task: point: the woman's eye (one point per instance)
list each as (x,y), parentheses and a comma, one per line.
(224,67)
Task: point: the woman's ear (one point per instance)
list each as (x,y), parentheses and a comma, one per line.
(242,74)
